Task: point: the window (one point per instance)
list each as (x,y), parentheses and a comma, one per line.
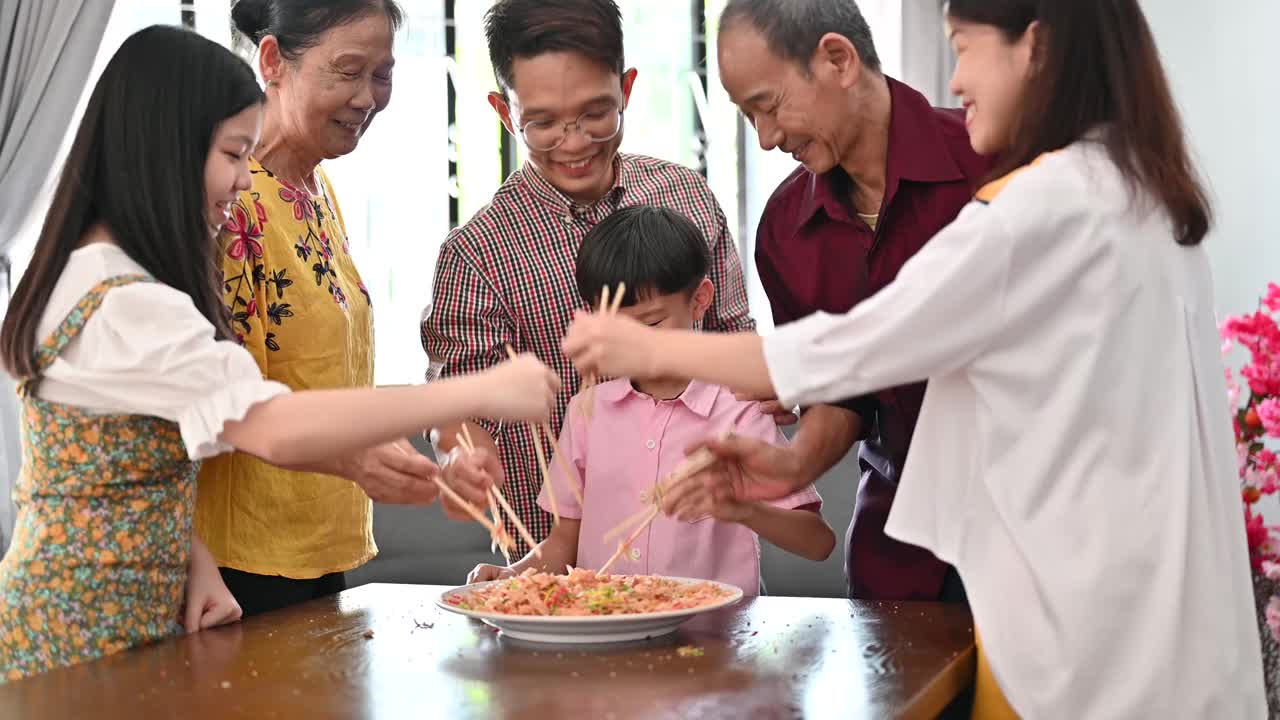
(394,189)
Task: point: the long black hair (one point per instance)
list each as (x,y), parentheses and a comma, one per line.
(1099,66)
(137,166)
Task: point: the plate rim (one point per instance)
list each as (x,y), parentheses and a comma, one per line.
(737,595)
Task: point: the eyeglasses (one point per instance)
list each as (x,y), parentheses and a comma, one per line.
(598,125)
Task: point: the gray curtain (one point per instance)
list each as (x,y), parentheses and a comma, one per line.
(47,49)
(927,60)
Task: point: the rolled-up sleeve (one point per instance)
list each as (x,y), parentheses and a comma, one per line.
(148,351)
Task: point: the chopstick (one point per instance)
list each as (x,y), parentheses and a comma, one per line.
(496,499)
(692,465)
(515,520)
(457,499)
(608,308)
(500,540)
(653,512)
(564,465)
(542,459)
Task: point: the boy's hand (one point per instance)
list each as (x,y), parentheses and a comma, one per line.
(484,573)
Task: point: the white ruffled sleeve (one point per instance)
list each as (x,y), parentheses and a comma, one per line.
(147,350)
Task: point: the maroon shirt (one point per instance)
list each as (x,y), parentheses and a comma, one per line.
(814,253)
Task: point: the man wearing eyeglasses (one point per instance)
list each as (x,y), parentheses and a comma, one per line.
(507,275)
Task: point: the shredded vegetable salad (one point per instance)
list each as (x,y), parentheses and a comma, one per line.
(583,592)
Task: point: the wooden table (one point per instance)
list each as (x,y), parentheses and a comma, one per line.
(383,651)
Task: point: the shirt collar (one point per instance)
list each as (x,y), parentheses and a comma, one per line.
(699,397)
(543,191)
(917,152)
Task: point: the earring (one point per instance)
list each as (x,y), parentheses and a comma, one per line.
(271,83)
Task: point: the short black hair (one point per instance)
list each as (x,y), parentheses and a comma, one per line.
(137,166)
(298,24)
(527,28)
(793,28)
(654,250)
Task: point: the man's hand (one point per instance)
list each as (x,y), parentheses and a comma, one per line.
(394,473)
(471,475)
(749,470)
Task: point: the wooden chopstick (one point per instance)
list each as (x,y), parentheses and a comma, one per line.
(569,475)
(653,513)
(500,539)
(495,495)
(542,458)
(515,520)
(692,465)
(456,498)
(607,307)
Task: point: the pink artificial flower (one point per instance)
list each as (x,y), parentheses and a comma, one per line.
(1269,413)
(1273,617)
(1233,390)
(1272,299)
(1257,535)
(1271,569)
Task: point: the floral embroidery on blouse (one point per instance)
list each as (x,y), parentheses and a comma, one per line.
(247,271)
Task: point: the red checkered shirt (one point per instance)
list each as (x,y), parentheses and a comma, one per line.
(507,276)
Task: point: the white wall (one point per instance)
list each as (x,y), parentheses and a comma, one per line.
(1222,63)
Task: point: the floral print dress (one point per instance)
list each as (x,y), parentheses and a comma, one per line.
(99,555)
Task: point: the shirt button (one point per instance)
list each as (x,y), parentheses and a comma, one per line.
(651,444)
(635,553)
(568,219)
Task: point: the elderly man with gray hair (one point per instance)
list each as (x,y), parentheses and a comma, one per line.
(880,172)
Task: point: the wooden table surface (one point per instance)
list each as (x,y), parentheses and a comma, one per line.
(770,657)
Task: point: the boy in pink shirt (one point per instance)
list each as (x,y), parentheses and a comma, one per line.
(635,434)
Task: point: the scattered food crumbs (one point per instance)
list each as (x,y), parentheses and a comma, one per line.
(573,674)
(425,625)
(368,634)
(690,671)
(296,691)
(650,667)
(559,655)
(613,674)
(690,651)
(253,673)
(226,684)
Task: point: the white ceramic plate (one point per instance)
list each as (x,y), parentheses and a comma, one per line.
(580,629)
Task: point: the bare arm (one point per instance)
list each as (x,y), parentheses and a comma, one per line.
(823,438)
(800,532)
(305,428)
(559,550)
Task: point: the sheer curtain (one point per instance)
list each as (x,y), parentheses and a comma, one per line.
(47,49)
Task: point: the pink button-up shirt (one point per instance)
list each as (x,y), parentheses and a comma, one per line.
(632,442)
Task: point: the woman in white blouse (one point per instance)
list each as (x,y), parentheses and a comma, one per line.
(1074,456)
(119,336)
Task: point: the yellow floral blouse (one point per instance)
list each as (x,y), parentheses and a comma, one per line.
(299,306)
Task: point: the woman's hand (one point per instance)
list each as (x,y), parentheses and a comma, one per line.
(207,602)
(522,390)
(611,346)
(394,473)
